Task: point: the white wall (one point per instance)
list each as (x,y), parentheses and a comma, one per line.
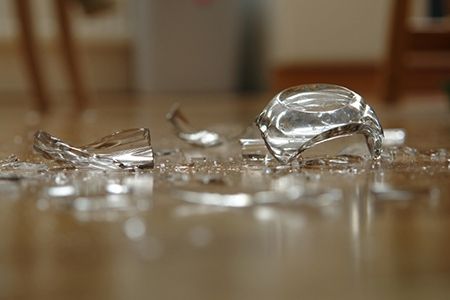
(328,31)
(312,31)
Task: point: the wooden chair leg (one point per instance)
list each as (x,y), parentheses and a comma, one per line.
(30,48)
(398,40)
(70,53)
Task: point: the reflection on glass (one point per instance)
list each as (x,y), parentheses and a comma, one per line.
(202,138)
(127,149)
(301,117)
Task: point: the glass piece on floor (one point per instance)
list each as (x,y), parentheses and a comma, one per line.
(9,161)
(253,149)
(400,155)
(340,163)
(14,170)
(201,138)
(301,117)
(123,150)
(436,155)
(12,163)
(394,137)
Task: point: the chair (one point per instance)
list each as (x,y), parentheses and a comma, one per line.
(419,53)
(33,62)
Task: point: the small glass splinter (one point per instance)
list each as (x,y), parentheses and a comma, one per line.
(202,138)
(123,150)
(301,117)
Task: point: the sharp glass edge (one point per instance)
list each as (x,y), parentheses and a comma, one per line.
(123,150)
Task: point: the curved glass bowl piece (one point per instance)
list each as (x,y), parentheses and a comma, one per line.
(126,149)
(301,117)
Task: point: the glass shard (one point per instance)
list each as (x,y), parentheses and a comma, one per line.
(12,169)
(123,150)
(9,161)
(394,137)
(253,149)
(301,117)
(201,138)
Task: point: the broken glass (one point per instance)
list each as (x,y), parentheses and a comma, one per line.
(9,161)
(13,169)
(123,150)
(255,148)
(301,117)
(394,137)
(201,138)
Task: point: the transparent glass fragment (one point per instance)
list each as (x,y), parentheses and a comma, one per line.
(255,148)
(394,137)
(301,117)
(13,169)
(9,161)
(123,150)
(202,138)
(408,159)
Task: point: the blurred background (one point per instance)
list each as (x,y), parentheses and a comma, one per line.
(128,47)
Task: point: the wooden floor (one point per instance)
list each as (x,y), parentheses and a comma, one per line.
(359,247)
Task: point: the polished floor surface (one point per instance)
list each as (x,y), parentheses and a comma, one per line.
(343,239)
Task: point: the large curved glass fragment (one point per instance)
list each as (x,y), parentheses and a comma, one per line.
(202,138)
(123,150)
(301,117)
